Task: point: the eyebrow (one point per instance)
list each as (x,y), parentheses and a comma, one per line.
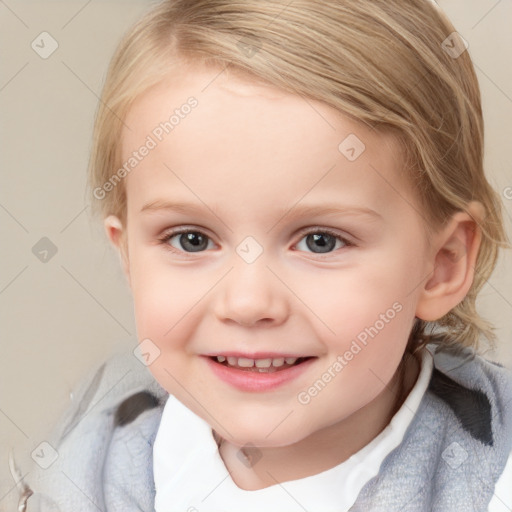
(300,210)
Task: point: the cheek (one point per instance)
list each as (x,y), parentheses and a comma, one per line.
(379,316)
(366,316)
(374,292)
(165,314)
(162,298)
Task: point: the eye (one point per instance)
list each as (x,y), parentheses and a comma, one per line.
(324,240)
(187,240)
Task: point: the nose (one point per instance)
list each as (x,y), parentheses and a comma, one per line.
(252,294)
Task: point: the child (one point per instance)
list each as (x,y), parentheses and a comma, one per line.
(231,138)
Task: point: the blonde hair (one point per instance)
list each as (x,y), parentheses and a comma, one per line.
(384,63)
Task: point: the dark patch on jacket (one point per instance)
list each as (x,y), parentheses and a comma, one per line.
(133,406)
(470,406)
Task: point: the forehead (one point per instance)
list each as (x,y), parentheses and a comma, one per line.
(244,139)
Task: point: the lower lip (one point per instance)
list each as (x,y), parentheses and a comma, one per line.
(256,381)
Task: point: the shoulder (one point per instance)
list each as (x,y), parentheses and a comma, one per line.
(472,385)
(477,391)
(457,442)
(120,386)
(118,392)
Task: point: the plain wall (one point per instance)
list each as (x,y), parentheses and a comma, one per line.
(61,317)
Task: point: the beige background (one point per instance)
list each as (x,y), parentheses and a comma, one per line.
(61,317)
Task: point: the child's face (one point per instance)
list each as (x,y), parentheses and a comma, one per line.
(248,159)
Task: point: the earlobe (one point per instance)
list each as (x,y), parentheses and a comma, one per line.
(453,266)
(117,236)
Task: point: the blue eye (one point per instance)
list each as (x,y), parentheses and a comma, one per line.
(324,240)
(190,240)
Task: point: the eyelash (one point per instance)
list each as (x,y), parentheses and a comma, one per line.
(164,240)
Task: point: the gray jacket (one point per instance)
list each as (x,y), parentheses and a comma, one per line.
(100,456)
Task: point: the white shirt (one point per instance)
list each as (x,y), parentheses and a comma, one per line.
(190,474)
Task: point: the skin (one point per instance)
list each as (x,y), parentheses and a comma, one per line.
(253,154)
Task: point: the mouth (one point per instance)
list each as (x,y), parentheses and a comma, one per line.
(261,374)
(262,365)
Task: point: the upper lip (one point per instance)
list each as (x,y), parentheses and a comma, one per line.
(255,355)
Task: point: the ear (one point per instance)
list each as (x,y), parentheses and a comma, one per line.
(117,236)
(454,258)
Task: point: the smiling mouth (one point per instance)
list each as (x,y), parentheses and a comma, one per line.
(259,365)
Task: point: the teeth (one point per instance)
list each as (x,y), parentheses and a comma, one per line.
(245,362)
(263,363)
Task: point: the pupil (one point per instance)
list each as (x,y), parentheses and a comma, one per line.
(196,240)
(320,240)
